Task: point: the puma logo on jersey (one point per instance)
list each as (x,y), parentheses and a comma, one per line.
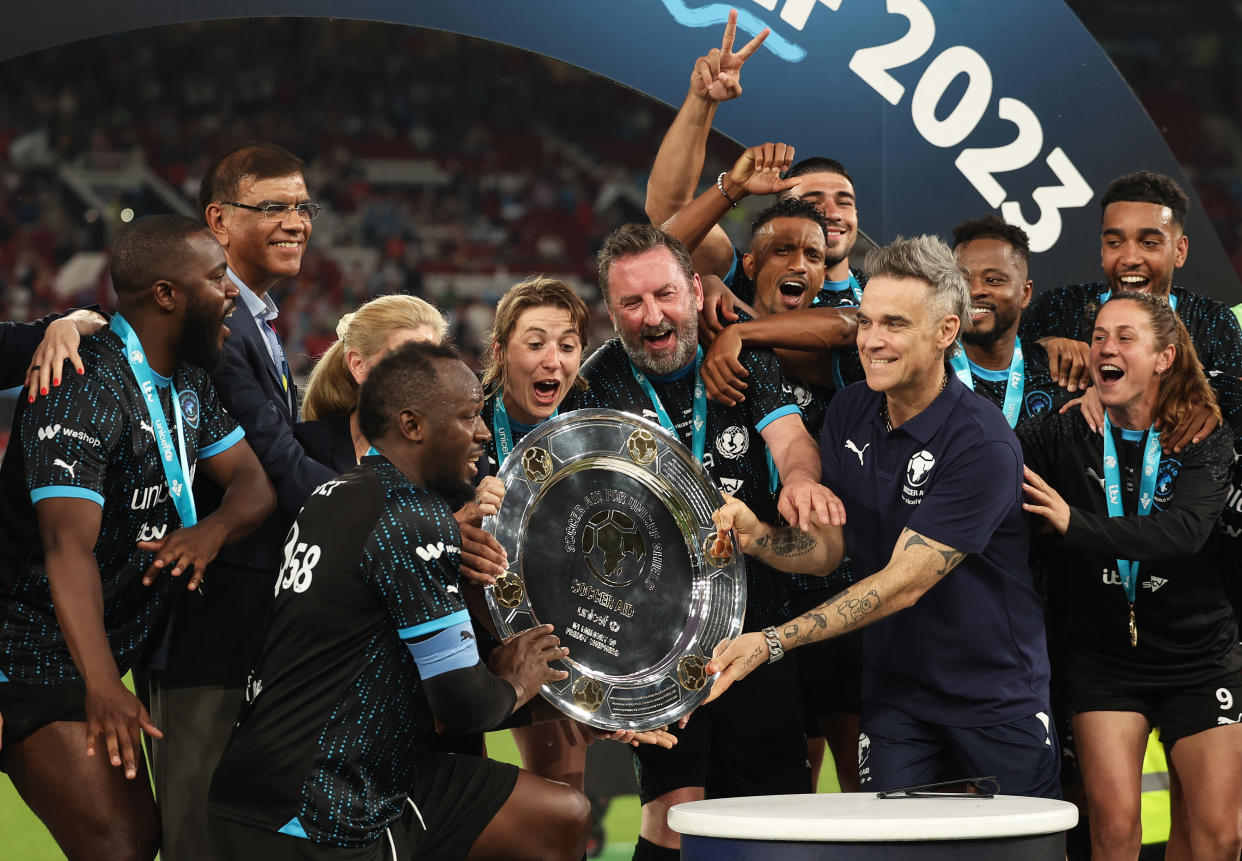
(67,467)
(1225,721)
(849,444)
(146,427)
(452,590)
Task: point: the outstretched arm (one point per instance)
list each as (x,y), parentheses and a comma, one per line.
(818,550)
(679,161)
(757,171)
(248,499)
(115,719)
(805,338)
(918,563)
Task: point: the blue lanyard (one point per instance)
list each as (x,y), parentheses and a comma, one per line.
(1015,384)
(176,464)
(1104,297)
(1112,492)
(501,429)
(856,289)
(699,436)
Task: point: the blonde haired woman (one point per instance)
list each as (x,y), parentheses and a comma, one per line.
(329,431)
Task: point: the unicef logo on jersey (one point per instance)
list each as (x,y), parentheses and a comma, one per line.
(733,442)
(189,407)
(917,471)
(1166,475)
(1038,402)
(801,396)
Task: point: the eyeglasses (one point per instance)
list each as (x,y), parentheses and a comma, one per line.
(278,211)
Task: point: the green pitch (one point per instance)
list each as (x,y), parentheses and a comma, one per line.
(25,839)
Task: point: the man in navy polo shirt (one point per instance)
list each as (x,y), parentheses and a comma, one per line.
(931,478)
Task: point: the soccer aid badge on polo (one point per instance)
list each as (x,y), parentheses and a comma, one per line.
(917,471)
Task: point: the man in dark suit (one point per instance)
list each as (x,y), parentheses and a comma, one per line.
(255,202)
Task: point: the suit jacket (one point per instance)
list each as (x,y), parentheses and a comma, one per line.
(213,635)
(329,441)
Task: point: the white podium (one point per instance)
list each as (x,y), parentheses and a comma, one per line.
(860,827)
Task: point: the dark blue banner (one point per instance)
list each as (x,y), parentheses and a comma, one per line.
(941,109)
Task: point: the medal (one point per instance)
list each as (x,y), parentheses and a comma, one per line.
(1126,568)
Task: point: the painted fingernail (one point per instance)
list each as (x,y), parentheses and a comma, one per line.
(81,370)
(43,390)
(55,381)
(31,399)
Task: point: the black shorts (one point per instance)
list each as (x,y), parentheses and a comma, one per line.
(26,708)
(831,677)
(454,799)
(1177,708)
(748,742)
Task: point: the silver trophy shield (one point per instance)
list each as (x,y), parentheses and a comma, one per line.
(607,520)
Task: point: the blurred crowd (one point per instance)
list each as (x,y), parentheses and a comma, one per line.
(444,168)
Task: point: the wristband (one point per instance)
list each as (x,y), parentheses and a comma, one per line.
(775,650)
(720,186)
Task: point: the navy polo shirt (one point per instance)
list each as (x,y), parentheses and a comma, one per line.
(971,651)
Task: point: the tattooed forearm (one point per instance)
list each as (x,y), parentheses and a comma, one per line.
(812,623)
(855,610)
(949,556)
(788,542)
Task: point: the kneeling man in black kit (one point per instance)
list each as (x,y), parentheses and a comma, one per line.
(368,641)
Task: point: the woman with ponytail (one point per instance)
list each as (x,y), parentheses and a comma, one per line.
(329,431)
(1147,634)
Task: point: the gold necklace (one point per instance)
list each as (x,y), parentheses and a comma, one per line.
(888,422)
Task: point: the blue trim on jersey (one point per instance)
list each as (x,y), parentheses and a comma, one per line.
(989,374)
(294,829)
(235,436)
(434,625)
(454,648)
(779,412)
(732,273)
(1131,435)
(63,491)
(3,677)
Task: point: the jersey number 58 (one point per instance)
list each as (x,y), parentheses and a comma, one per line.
(300,560)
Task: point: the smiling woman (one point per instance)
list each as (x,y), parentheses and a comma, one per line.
(1162,650)
(531,369)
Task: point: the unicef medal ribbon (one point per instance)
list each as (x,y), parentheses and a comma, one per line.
(856,289)
(1015,381)
(1126,568)
(173,459)
(699,436)
(501,429)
